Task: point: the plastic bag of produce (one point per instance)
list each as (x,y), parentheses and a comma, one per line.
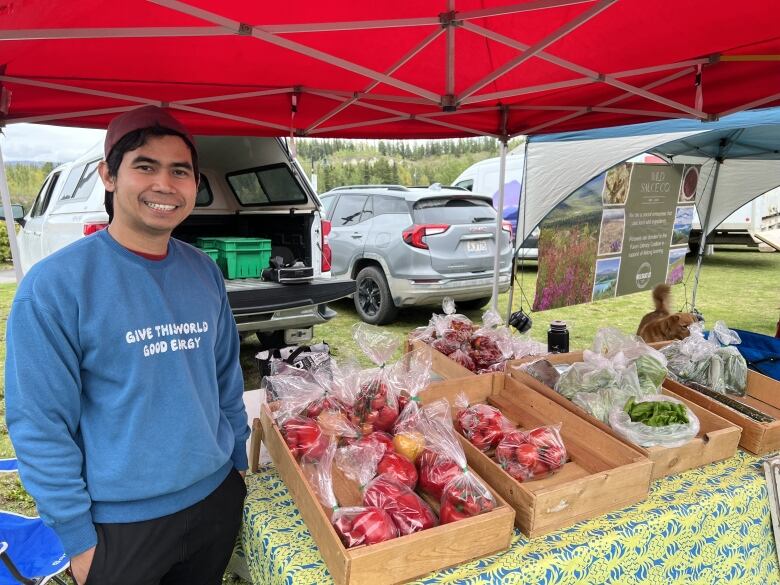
(534,454)
(384,484)
(304,436)
(443,471)
(706,362)
(650,363)
(451,326)
(376,402)
(355,525)
(598,383)
(411,373)
(483,425)
(655,420)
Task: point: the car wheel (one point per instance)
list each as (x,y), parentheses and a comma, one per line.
(373,300)
(473,304)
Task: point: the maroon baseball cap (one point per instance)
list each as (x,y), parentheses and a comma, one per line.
(145,117)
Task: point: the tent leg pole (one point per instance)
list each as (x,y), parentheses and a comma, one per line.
(499,220)
(9,219)
(515,247)
(704,230)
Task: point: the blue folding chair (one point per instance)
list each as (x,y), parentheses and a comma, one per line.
(10,465)
(30,551)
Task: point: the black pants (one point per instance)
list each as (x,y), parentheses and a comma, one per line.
(191,547)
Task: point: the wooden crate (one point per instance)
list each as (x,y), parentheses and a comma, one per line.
(602,475)
(763,393)
(717,438)
(396,560)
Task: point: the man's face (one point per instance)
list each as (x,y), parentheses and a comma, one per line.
(155,187)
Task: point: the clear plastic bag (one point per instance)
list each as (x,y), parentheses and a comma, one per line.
(534,454)
(376,403)
(706,362)
(673,435)
(598,383)
(380,474)
(408,511)
(650,363)
(524,346)
(443,470)
(451,327)
(304,437)
(483,425)
(355,525)
(412,373)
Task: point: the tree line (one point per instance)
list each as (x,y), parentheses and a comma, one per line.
(338,162)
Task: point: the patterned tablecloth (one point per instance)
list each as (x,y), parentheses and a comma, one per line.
(709,525)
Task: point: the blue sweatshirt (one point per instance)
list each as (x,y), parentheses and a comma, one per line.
(123,385)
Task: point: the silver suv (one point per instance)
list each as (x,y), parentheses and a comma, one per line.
(414,246)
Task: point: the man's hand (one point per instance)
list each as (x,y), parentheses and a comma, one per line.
(243,474)
(80,565)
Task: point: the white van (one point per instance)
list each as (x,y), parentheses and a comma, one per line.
(482,177)
(250,187)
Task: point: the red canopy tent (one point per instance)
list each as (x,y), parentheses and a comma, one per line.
(406,69)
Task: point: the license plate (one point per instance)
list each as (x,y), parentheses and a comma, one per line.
(477,246)
(295,336)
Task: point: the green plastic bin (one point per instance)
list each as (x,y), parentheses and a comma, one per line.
(242,257)
(204,243)
(212,253)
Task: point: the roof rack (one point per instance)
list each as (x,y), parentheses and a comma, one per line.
(388,187)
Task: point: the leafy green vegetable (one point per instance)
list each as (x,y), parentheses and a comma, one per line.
(656,414)
(651,373)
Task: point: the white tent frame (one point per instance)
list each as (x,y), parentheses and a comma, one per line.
(446,23)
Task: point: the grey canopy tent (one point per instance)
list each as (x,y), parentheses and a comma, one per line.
(739,154)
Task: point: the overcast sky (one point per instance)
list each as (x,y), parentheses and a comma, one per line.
(37,142)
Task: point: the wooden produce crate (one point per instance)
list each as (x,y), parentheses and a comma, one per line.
(763,394)
(717,438)
(397,560)
(602,473)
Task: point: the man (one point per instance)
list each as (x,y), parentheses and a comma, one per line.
(123,384)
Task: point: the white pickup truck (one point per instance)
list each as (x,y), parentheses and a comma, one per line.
(250,187)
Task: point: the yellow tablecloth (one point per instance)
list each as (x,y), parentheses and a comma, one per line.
(709,525)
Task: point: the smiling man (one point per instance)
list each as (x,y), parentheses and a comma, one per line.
(123,384)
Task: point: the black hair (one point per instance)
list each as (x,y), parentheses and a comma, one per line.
(131,141)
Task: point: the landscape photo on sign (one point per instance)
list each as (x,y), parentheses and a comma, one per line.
(616,184)
(613,226)
(683,219)
(676,268)
(690,180)
(568,243)
(605,281)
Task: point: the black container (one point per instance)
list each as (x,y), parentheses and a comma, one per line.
(558,337)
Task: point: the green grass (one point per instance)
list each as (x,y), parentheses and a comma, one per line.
(737,286)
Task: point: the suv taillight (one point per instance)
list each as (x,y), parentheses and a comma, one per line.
(91,228)
(506,226)
(415,235)
(327,255)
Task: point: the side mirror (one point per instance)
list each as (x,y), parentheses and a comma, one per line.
(18,212)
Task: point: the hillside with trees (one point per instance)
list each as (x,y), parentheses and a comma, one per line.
(355,162)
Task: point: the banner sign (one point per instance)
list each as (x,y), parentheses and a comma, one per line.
(623,232)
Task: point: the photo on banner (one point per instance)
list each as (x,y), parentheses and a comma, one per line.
(625,231)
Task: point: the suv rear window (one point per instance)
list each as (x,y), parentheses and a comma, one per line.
(269,185)
(453,210)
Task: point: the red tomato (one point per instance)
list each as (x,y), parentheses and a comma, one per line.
(435,472)
(399,468)
(554,457)
(526,455)
(545,437)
